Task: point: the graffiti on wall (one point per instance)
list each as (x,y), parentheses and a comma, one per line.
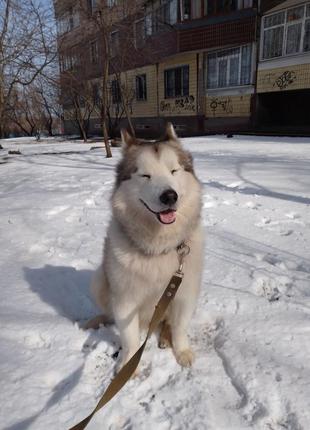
(286,79)
(221,104)
(281,81)
(179,105)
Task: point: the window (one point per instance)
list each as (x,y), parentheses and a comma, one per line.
(177,82)
(167,13)
(68,21)
(286,32)
(116,92)
(212,7)
(244,4)
(173,11)
(94,52)
(140,33)
(96,94)
(161,17)
(114,38)
(69,62)
(185,9)
(307,34)
(141,87)
(196,9)
(91,4)
(229,68)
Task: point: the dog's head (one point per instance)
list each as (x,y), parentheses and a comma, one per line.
(155,184)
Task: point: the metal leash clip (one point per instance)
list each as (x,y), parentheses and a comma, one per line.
(183,250)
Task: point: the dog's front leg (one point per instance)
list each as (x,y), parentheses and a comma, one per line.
(181,314)
(127,321)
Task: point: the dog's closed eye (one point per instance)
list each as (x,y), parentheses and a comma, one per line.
(174,171)
(145,176)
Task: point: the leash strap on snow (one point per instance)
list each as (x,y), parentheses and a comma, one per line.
(129,368)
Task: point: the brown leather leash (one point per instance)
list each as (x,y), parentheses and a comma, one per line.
(129,368)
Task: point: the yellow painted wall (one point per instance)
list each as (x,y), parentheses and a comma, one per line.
(146,108)
(228,106)
(180,106)
(284,78)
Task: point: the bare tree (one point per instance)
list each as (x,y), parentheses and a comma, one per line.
(114,36)
(79,103)
(47,97)
(31,109)
(104,19)
(26,47)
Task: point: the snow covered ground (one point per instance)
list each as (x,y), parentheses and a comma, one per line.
(252,327)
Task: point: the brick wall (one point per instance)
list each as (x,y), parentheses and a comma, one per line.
(284,78)
(181,106)
(212,36)
(228,106)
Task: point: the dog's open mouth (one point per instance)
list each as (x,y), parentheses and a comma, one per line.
(167,216)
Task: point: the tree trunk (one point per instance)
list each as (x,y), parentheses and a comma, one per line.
(1,105)
(83,133)
(128,116)
(105,103)
(106,141)
(50,129)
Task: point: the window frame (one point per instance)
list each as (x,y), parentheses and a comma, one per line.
(139,43)
(94,59)
(116,92)
(91,6)
(144,91)
(68,21)
(96,94)
(68,62)
(114,42)
(240,4)
(228,75)
(286,25)
(183,93)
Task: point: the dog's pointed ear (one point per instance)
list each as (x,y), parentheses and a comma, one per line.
(170,132)
(127,139)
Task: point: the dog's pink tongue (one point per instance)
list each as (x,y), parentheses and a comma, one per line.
(167,217)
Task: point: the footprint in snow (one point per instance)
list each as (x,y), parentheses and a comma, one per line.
(292,215)
(275,260)
(272,288)
(274,226)
(287,420)
(252,205)
(56,210)
(235,184)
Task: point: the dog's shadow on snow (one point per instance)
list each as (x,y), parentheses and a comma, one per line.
(67,291)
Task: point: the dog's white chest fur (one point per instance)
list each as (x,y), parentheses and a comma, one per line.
(138,277)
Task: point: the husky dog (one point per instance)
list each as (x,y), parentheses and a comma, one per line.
(156,206)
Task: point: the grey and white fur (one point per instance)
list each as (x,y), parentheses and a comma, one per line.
(156,205)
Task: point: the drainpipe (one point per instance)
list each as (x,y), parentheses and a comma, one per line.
(157,90)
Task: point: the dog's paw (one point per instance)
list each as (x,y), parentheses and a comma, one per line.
(185,358)
(165,340)
(164,343)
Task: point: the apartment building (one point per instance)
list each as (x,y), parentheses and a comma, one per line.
(205,65)
(283,78)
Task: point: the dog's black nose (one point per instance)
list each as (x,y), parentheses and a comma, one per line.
(168,197)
